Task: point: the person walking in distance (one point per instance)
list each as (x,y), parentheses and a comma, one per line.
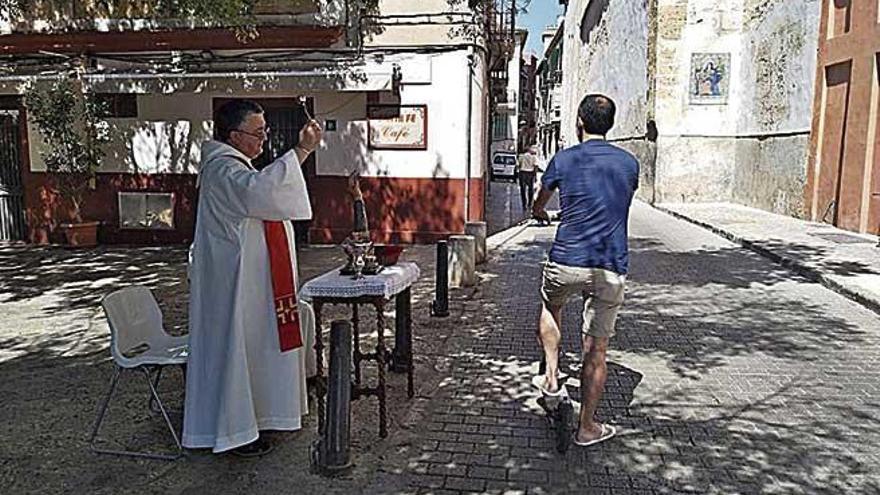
(527,168)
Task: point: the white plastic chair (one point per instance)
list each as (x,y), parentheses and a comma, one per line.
(138,341)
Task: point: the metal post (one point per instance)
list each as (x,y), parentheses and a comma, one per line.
(334,452)
(440,307)
(470,97)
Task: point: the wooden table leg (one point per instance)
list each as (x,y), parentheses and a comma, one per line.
(402,357)
(356,348)
(410,389)
(398,355)
(380,359)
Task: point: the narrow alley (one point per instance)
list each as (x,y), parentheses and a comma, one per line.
(729,374)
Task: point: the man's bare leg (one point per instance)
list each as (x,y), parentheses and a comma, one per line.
(593,374)
(550,336)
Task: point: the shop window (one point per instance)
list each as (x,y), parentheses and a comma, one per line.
(147,211)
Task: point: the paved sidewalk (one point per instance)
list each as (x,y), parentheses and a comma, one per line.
(730,374)
(844,261)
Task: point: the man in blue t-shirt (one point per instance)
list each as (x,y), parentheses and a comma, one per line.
(596,182)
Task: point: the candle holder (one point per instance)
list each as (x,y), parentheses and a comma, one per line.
(357,246)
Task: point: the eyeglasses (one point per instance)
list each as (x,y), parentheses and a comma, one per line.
(263,134)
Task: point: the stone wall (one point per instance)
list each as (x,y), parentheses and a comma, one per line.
(770,174)
(780,40)
(606,51)
(751,146)
(729,85)
(696,146)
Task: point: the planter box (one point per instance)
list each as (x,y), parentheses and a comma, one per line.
(81,234)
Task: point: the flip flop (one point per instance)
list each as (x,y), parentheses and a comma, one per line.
(608,431)
(538,382)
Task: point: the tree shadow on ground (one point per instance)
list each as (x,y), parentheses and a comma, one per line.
(56,365)
(80,277)
(722,369)
(821,258)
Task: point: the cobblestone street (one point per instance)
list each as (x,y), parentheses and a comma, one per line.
(729,374)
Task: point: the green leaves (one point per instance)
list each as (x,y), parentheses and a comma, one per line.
(67,118)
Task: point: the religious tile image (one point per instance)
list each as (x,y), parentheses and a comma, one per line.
(709,78)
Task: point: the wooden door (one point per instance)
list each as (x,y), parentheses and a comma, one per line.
(843,180)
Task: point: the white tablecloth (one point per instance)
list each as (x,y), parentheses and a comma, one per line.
(391,281)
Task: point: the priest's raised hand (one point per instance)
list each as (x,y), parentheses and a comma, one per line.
(309,139)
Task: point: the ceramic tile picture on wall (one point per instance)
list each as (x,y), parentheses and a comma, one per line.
(709,78)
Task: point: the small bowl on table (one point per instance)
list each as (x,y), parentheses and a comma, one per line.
(387,254)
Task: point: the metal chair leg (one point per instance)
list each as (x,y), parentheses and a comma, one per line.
(156,386)
(154,397)
(167,419)
(152,403)
(102,410)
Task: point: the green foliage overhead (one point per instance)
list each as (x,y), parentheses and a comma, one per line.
(221,13)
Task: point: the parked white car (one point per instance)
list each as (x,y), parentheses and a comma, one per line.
(503,165)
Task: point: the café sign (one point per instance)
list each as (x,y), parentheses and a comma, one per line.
(397,127)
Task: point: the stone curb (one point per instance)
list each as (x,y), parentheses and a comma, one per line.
(793,264)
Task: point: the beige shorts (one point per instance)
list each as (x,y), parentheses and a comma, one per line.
(602,290)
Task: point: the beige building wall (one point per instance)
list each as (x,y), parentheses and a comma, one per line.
(427,22)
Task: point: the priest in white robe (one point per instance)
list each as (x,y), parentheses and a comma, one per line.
(245,371)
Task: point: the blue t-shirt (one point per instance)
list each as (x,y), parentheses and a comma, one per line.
(596,182)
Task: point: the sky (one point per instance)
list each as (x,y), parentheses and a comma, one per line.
(541,13)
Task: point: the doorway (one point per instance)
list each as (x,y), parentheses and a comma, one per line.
(12,225)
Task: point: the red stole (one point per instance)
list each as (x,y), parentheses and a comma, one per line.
(283,286)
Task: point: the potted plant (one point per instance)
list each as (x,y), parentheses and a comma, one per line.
(67,116)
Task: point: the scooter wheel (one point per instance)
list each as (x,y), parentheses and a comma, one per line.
(565,412)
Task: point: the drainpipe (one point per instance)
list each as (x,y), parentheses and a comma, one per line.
(467,180)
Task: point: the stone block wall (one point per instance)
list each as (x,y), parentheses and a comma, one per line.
(780,39)
(605,51)
(751,146)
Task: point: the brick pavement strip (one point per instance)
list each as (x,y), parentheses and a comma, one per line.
(717,376)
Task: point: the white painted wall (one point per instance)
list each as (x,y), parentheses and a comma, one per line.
(432,23)
(446,97)
(690,163)
(708,152)
(779,70)
(167,136)
(712,27)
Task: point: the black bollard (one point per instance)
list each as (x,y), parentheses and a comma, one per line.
(440,306)
(334,452)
